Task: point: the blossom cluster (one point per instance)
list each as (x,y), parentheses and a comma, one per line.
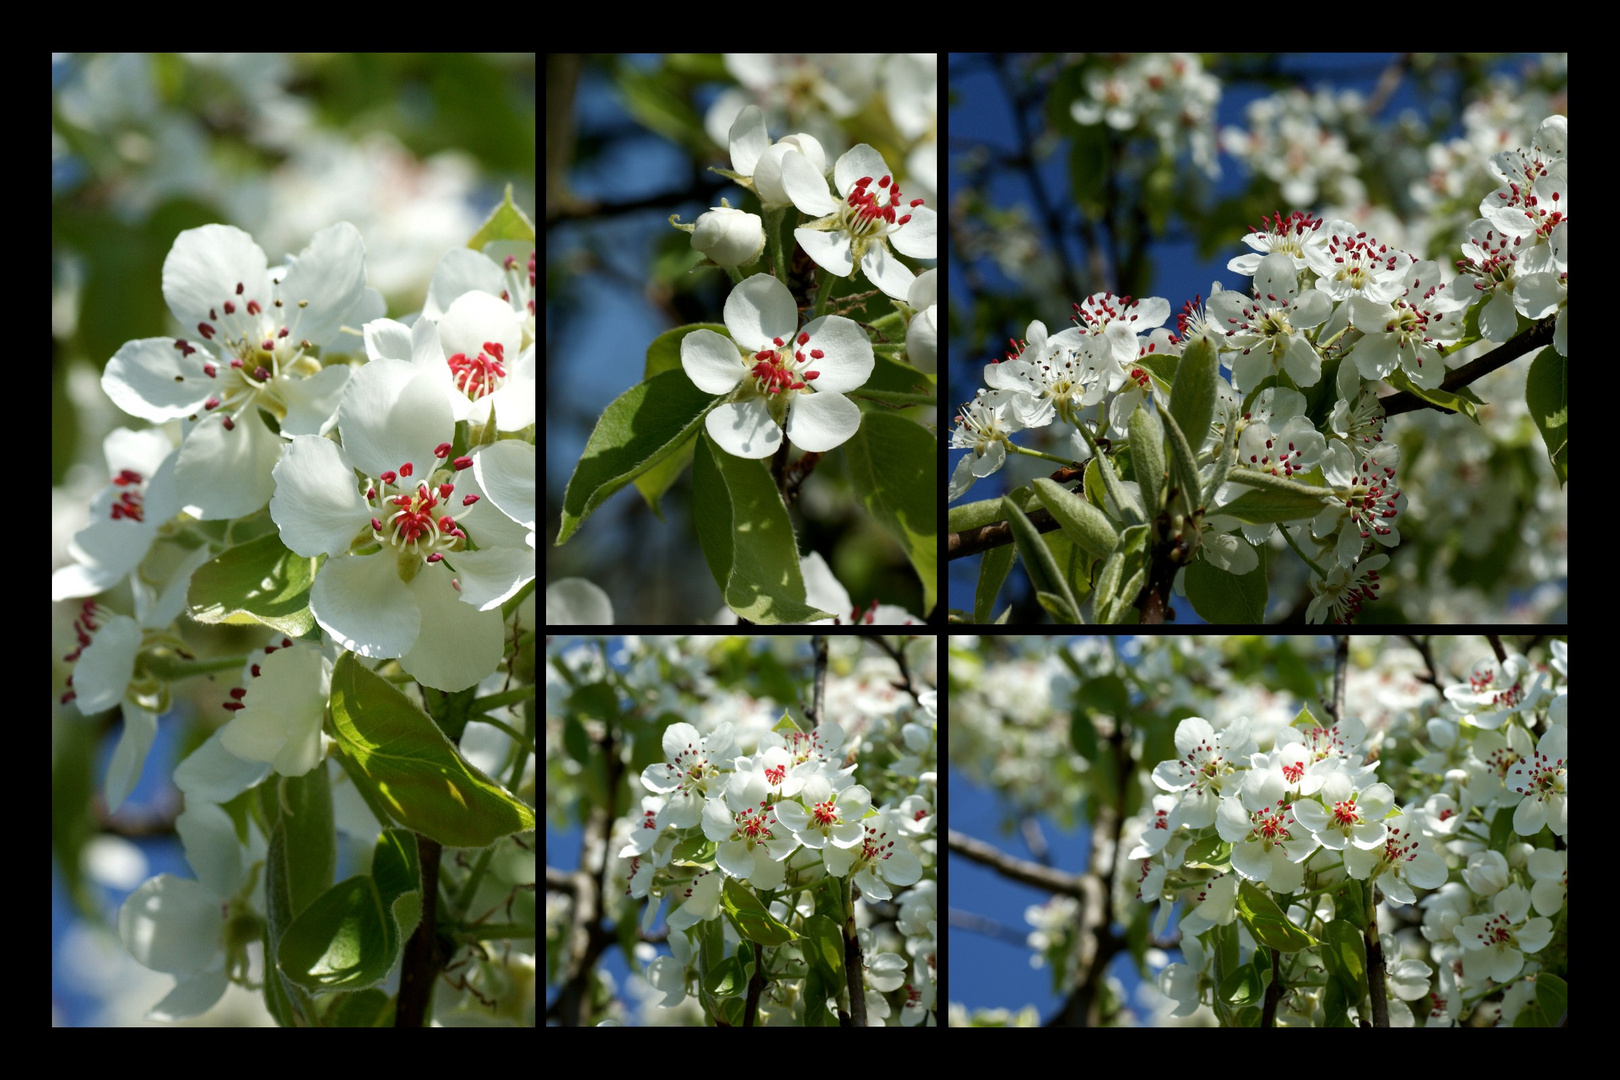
(1328,302)
(783,377)
(1302,809)
(354,483)
(789,806)
(740,797)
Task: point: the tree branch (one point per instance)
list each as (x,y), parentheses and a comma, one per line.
(959,545)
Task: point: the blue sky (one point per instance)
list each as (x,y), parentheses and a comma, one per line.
(981,115)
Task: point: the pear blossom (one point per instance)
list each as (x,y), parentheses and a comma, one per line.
(984,426)
(278,715)
(870,214)
(1267,327)
(877,861)
(832,816)
(782,377)
(1209,760)
(747,846)
(1267,844)
(1405,860)
(1346,817)
(256,334)
(1542,779)
(1405,332)
(729,237)
(695,763)
(477,352)
(791,170)
(699,900)
(392,584)
(125,516)
(576,601)
(1494,944)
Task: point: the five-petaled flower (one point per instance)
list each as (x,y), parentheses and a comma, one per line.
(869,214)
(395,582)
(253,336)
(778,375)
(1542,781)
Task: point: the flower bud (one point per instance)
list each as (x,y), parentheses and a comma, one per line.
(729,237)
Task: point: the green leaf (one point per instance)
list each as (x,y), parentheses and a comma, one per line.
(1350,902)
(352,935)
(1462,401)
(1082,522)
(1192,400)
(824,947)
(751,918)
(747,537)
(1243,986)
(506,222)
(256,582)
(1273,500)
(402,761)
(1184,466)
(1147,457)
(1345,956)
(1051,588)
(1546,392)
(1552,995)
(643,426)
(1220,596)
(298,868)
(893,468)
(1267,922)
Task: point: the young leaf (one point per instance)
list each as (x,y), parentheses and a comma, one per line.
(402,761)
(1267,922)
(646,424)
(1082,522)
(751,918)
(747,537)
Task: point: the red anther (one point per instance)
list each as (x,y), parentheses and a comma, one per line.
(810,375)
(445,490)
(778,342)
(238,693)
(817,354)
(206,331)
(462,463)
(903,220)
(230,308)
(230,425)
(435,557)
(234,705)
(469,500)
(126,477)
(883,182)
(406,469)
(377,525)
(804,338)
(442,451)
(863,181)
(210,370)
(916,202)
(389,477)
